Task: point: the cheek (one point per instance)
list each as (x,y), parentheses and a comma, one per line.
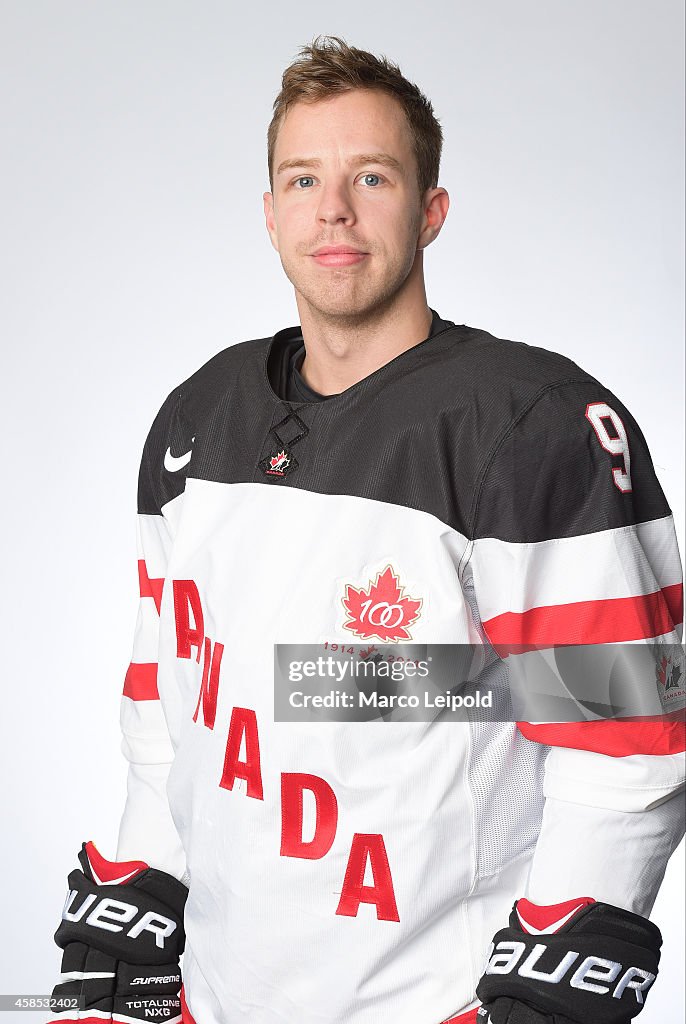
(396,229)
(292,227)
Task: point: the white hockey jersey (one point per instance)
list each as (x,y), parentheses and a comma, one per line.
(356,871)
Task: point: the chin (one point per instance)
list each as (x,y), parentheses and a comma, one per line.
(350,311)
(343,302)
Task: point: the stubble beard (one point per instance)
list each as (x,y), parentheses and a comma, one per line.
(347,296)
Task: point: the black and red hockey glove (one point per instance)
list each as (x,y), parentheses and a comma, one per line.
(579,962)
(122,936)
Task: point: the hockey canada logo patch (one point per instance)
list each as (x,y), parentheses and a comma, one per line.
(381,611)
(670,676)
(279,464)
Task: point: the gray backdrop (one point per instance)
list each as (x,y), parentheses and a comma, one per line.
(133,248)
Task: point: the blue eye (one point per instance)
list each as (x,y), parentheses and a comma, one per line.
(308,177)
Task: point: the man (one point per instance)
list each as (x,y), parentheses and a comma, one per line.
(379,474)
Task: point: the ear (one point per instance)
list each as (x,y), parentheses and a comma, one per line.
(435,206)
(270,219)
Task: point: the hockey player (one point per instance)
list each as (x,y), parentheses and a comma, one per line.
(444,485)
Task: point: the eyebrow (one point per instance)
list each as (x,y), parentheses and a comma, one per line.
(362,158)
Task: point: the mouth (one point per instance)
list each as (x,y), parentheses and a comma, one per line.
(332,257)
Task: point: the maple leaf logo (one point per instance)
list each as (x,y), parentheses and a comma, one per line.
(278,462)
(380,611)
(673,683)
(669,674)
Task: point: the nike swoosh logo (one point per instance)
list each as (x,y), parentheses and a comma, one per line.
(173,463)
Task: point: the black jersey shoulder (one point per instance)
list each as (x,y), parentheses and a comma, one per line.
(559,453)
(573,462)
(181,423)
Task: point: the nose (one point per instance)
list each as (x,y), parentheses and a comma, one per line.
(335,204)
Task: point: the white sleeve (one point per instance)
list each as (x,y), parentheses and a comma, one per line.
(617,857)
(614,810)
(147,831)
(586,560)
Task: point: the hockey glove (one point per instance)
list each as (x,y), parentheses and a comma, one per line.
(122,936)
(579,961)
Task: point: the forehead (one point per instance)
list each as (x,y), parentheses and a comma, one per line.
(358,121)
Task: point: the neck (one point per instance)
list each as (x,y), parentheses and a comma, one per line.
(342,350)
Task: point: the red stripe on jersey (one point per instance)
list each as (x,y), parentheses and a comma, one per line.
(615,738)
(674,596)
(141,681)
(148,587)
(613,620)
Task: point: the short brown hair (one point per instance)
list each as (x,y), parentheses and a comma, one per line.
(329,66)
